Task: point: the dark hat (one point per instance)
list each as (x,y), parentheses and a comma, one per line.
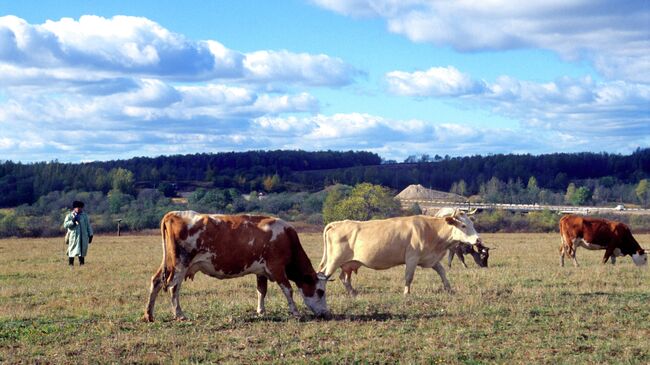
(77,204)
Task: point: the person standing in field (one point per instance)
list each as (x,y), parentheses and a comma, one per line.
(79,233)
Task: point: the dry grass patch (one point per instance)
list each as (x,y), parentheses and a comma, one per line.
(523,309)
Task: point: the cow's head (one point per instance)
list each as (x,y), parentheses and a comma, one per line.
(462,228)
(312,290)
(483,255)
(640,258)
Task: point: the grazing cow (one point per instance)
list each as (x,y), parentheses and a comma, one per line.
(381,244)
(230,246)
(598,234)
(481,257)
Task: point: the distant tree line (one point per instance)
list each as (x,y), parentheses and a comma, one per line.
(510,178)
(553,172)
(245,171)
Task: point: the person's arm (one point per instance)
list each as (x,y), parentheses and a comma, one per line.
(69,222)
(89,229)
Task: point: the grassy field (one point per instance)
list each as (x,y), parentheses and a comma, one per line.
(523,309)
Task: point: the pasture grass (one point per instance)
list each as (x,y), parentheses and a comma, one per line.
(523,309)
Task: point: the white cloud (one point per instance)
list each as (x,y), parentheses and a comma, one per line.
(436,81)
(128,46)
(611,34)
(321,69)
(579,106)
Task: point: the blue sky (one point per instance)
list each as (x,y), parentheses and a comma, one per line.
(100,80)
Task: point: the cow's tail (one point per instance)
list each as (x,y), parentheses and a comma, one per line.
(166,274)
(323,261)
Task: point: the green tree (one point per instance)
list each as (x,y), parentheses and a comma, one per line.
(365,201)
(570,192)
(122,180)
(459,188)
(581,196)
(642,192)
(271,183)
(532,190)
(117,201)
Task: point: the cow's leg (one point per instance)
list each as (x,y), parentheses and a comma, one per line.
(609,252)
(562,251)
(346,277)
(175,288)
(262,284)
(613,259)
(450,257)
(408,274)
(572,252)
(441,272)
(461,257)
(154,288)
(285,285)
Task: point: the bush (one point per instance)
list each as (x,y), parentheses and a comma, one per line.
(365,201)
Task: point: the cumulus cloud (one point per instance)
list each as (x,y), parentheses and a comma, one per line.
(613,35)
(577,106)
(436,81)
(399,138)
(99,47)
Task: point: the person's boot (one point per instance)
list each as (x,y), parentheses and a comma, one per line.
(71,261)
(81,260)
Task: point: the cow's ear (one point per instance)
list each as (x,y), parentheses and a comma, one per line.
(450,220)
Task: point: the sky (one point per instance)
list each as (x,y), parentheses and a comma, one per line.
(101,80)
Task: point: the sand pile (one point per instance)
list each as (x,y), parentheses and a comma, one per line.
(419,192)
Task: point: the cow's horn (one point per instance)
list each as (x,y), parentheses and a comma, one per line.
(473,211)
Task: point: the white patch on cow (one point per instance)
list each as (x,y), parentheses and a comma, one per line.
(257,267)
(251,242)
(203,262)
(317,304)
(189,216)
(191,240)
(588,245)
(276,228)
(216,217)
(640,260)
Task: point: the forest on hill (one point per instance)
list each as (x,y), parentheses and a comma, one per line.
(294,171)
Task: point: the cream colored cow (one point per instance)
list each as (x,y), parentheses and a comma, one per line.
(382,244)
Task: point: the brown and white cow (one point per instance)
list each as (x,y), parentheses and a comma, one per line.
(230,246)
(382,244)
(598,234)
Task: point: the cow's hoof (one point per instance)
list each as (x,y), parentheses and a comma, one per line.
(181,318)
(147,318)
(261,313)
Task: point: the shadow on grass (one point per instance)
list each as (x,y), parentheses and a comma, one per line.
(597,294)
(372,317)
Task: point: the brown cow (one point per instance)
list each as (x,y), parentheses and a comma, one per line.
(598,234)
(230,246)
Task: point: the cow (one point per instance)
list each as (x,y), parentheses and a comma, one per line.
(381,244)
(230,246)
(481,257)
(598,234)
